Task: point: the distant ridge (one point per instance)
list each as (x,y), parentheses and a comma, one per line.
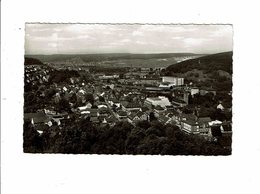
(106,56)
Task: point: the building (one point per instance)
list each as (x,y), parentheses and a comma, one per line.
(157,101)
(167,85)
(113,102)
(163,119)
(122,114)
(178,103)
(220,106)
(194,91)
(196,126)
(37,118)
(204,91)
(158,110)
(176,81)
(108,77)
(190,126)
(131,106)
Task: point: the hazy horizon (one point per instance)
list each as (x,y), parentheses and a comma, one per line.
(80,39)
(127,53)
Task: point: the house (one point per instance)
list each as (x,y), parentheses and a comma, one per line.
(133,117)
(170,107)
(113,101)
(94,120)
(83,108)
(196,126)
(137,116)
(163,119)
(111,120)
(104,111)
(178,103)
(91,112)
(144,116)
(204,91)
(194,91)
(158,110)
(122,114)
(226,129)
(101,106)
(204,127)
(220,106)
(144,109)
(190,126)
(131,106)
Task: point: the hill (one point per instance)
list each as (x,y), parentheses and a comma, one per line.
(32,61)
(213,71)
(208,64)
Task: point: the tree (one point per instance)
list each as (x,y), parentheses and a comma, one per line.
(101,99)
(63,105)
(73,98)
(152,117)
(89,98)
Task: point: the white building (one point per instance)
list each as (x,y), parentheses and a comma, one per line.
(176,81)
(167,85)
(157,101)
(194,91)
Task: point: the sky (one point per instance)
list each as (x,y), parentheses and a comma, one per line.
(124,38)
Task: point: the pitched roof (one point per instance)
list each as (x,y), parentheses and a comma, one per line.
(204,120)
(124,103)
(227,127)
(191,122)
(122,113)
(169,107)
(176,100)
(144,109)
(111,119)
(94,119)
(38,117)
(140,113)
(158,108)
(132,105)
(188,116)
(163,119)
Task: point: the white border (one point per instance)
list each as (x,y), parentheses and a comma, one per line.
(26,173)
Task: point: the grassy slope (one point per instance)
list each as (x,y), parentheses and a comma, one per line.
(208,64)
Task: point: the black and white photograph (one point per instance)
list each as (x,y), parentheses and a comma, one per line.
(130,97)
(135,89)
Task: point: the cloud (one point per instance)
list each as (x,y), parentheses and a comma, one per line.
(177,38)
(125,40)
(42,38)
(195,41)
(52,44)
(226,30)
(137,33)
(140,42)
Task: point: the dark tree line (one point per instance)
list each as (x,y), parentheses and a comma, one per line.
(84,137)
(58,76)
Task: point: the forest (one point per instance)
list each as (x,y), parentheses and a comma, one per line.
(84,137)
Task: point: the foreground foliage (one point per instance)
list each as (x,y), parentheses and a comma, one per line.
(83,137)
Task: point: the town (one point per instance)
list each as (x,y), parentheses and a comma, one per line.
(59,96)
